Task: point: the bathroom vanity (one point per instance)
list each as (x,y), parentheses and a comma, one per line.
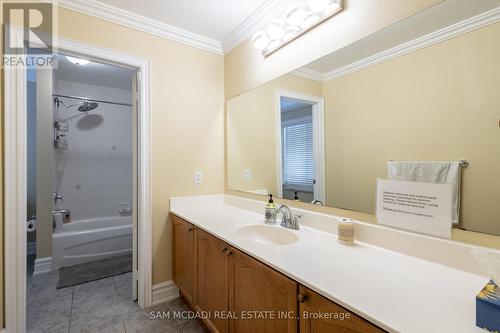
(213,276)
(228,263)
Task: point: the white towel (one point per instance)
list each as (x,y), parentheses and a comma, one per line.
(429,172)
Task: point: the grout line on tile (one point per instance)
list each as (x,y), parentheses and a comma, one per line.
(71,309)
(119,305)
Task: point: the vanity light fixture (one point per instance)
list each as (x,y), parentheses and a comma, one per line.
(276,29)
(299,18)
(77,61)
(318,5)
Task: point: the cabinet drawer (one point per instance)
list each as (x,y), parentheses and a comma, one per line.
(335,318)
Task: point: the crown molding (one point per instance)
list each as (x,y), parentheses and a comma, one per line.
(265,13)
(454,30)
(141,23)
(309,74)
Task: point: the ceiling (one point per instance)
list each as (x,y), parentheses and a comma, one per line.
(214,19)
(218,26)
(94,73)
(437,17)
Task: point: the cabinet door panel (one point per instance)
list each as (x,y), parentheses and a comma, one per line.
(183,256)
(258,292)
(314,303)
(211,264)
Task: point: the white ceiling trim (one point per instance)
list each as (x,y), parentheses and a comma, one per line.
(309,74)
(454,30)
(141,23)
(266,12)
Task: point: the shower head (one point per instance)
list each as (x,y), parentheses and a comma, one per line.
(87,106)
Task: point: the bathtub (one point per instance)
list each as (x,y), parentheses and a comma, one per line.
(87,240)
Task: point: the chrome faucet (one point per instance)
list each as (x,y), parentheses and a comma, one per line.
(288,220)
(57,196)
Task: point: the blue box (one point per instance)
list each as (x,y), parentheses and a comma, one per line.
(488,308)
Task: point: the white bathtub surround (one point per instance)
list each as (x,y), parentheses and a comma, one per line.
(401,281)
(31,248)
(94,174)
(42,265)
(89,240)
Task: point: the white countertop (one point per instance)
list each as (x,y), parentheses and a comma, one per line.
(397,292)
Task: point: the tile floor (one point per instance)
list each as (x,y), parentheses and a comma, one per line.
(100,306)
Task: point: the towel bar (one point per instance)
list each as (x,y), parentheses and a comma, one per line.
(463,163)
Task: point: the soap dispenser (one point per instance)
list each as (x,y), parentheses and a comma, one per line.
(296,197)
(270,215)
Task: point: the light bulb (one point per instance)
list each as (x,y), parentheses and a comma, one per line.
(310,21)
(318,5)
(276,30)
(260,40)
(273,45)
(77,61)
(296,15)
(331,8)
(290,33)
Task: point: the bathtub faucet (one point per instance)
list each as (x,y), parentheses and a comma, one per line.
(57,196)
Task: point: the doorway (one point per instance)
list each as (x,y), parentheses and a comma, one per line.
(300,147)
(81,193)
(16,172)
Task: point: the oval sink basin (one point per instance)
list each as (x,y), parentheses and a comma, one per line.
(268,235)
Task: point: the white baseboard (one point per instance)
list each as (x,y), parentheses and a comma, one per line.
(43,265)
(31,249)
(164,292)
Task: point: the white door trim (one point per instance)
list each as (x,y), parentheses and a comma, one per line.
(319,139)
(15,245)
(15,180)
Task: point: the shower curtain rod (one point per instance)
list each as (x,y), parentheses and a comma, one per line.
(91,99)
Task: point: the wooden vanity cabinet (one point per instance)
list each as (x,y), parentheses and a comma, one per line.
(253,287)
(232,286)
(311,303)
(211,280)
(183,257)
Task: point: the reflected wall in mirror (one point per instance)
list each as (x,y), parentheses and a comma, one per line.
(275,140)
(300,152)
(439,103)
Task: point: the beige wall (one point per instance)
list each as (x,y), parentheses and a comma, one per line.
(187,94)
(187,97)
(246,68)
(251,132)
(44,163)
(1,192)
(439,103)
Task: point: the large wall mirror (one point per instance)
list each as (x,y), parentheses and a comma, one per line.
(323,135)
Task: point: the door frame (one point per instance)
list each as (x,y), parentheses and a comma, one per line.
(15,179)
(318,114)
